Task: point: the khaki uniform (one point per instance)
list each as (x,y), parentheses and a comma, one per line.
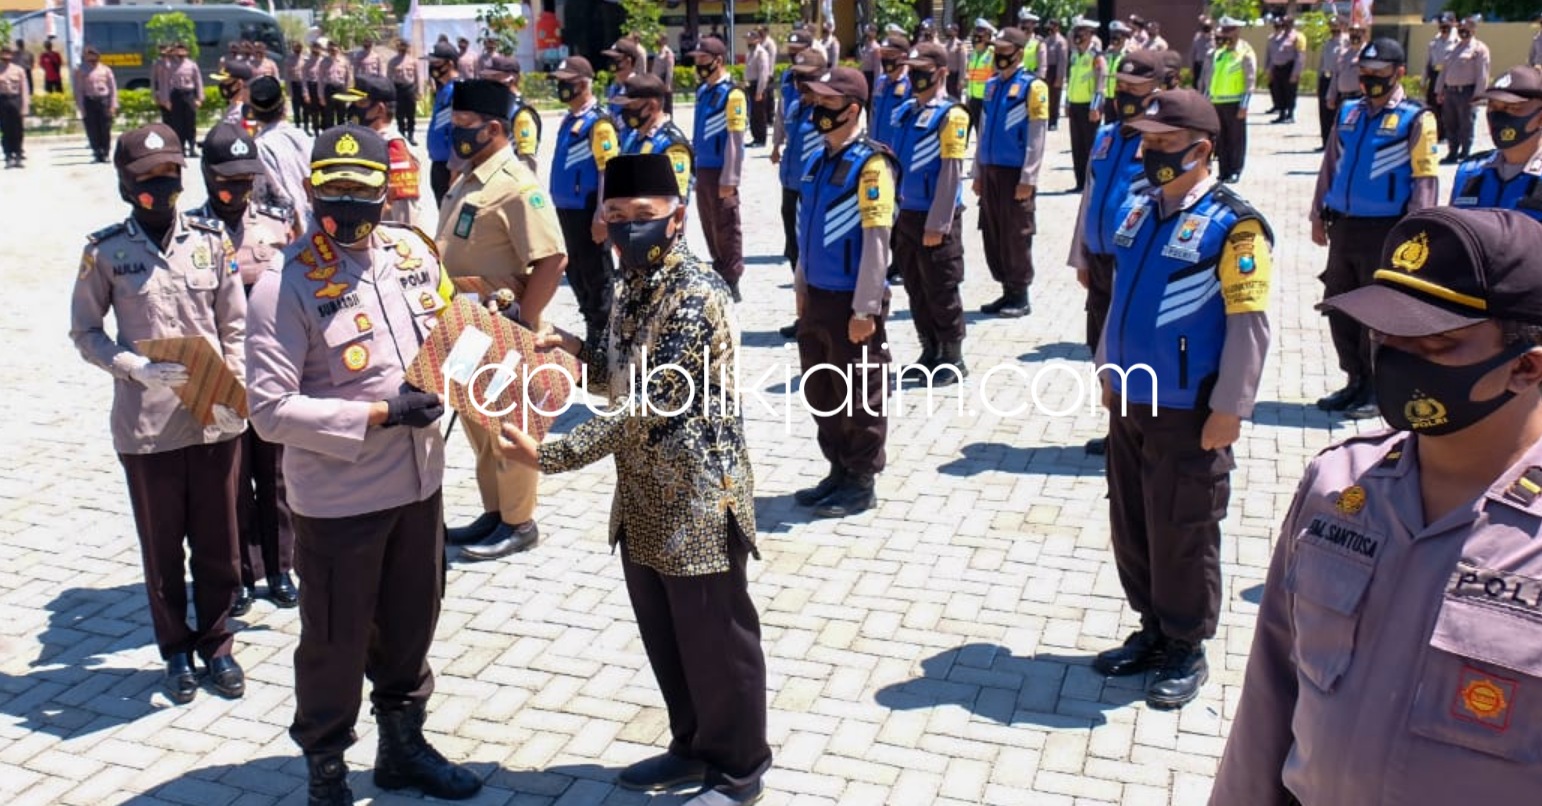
(408,80)
(335,76)
(1284,59)
(183,90)
(181,475)
(368,63)
(1434,63)
(1465,73)
(496,222)
(96,96)
(1394,661)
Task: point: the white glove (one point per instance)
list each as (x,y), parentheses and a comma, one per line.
(160,375)
(226,419)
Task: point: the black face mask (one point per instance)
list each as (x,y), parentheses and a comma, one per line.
(348,222)
(229,199)
(1205,30)
(978,40)
(1376,86)
(358,115)
(635,118)
(439,73)
(1162,167)
(828,120)
(228,91)
(641,244)
(1008,61)
(922,81)
(1128,104)
(464,139)
(154,199)
(1510,130)
(1464,34)
(1421,396)
(568,90)
(705,71)
(889,64)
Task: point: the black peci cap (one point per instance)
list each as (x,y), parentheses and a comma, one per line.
(1382,52)
(631,176)
(349,152)
(1446,268)
(265,94)
(378,89)
(229,151)
(141,149)
(1176,110)
(842,82)
(573,67)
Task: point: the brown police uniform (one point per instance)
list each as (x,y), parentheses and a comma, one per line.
(719,144)
(183,90)
(1465,73)
(15,104)
(96,95)
(1004,160)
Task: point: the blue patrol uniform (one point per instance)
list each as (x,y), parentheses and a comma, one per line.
(829,223)
(1478,185)
(711,125)
(666,139)
(888,96)
(933,136)
(918,147)
(1374,176)
(439,125)
(789,91)
(613,95)
(803,143)
(1004,132)
(574,176)
(1116,173)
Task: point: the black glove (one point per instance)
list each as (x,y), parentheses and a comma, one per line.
(413,409)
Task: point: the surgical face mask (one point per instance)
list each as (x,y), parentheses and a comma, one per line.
(1376,86)
(154,199)
(828,120)
(465,138)
(642,245)
(1162,167)
(346,219)
(1418,395)
(1510,130)
(923,81)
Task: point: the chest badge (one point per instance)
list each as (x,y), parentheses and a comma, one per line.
(202,259)
(1125,235)
(1351,500)
(356,357)
(1484,698)
(427,301)
(361,321)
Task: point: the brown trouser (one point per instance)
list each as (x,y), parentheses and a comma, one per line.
(855,440)
(1100,295)
(267,532)
(1166,500)
(507,487)
(702,636)
(1232,145)
(188,494)
(720,226)
(98,124)
(932,276)
(1082,133)
(589,271)
(1008,228)
(1459,115)
(1354,254)
(1056,88)
(371,588)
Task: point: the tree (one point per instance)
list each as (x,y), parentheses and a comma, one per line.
(1505,10)
(1063,10)
(168,28)
(1314,26)
(642,19)
(1243,10)
(894,12)
(351,23)
(501,24)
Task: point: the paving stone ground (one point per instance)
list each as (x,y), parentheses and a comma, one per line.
(934,651)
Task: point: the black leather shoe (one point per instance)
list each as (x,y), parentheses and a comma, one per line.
(1364,409)
(504,540)
(1182,672)
(662,772)
(328,780)
(949,367)
(1141,651)
(809,496)
(245,595)
(180,682)
(1096,447)
(853,497)
(1344,398)
(227,677)
(994,307)
(729,795)
(789,331)
(733,291)
(474,532)
(282,591)
(405,759)
(1016,307)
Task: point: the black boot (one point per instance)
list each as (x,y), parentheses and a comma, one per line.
(328,780)
(1344,398)
(950,356)
(474,532)
(994,307)
(1141,651)
(809,496)
(853,497)
(245,595)
(789,331)
(405,759)
(1016,306)
(1364,407)
(1178,680)
(282,591)
(929,352)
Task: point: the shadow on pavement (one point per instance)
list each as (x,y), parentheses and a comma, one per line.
(1055,460)
(779,513)
(1058,350)
(991,683)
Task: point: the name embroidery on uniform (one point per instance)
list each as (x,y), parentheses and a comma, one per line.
(1125,235)
(349,300)
(1483,698)
(1336,534)
(414,279)
(1505,589)
(125,269)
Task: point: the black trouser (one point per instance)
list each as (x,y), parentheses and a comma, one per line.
(976,109)
(184,118)
(1354,255)
(1195,68)
(371,586)
(313,106)
(1430,77)
(790,226)
(297,103)
(1232,145)
(53,85)
(439,179)
(188,495)
(1008,226)
(1459,115)
(1280,76)
(758,110)
(932,276)
(702,637)
(407,110)
(953,85)
(1100,295)
(721,226)
(10,125)
(590,273)
(267,528)
(1324,114)
(1166,499)
(98,121)
(1052,78)
(869,75)
(855,441)
(1082,132)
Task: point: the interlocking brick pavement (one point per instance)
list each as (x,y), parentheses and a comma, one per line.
(934,651)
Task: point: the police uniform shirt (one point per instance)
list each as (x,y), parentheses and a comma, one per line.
(312,68)
(952,140)
(336,71)
(192,288)
(570,186)
(265,67)
(1466,66)
(98,82)
(1422,153)
(729,123)
(182,75)
(1036,112)
(259,239)
(332,332)
(403,71)
(496,222)
(1440,48)
(1110,141)
(1489,180)
(1328,58)
(675,144)
(1285,48)
(1394,661)
(294,67)
(875,202)
(1346,73)
(286,152)
(367,63)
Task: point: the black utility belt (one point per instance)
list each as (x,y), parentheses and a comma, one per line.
(1462,88)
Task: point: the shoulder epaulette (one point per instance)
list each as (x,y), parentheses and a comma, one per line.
(1379,435)
(280,212)
(106,232)
(1242,209)
(205,223)
(1527,488)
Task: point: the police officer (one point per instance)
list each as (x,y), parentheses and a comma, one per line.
(891,89)
(1033,51)
(1440,47)
(164,274)
(331,333)
(336,77)
(1465,73)
(372,103)
(1509,177)
(311,71)
(524,119)
(1086,78)
(981,66)
(407,78)
(721,118)
(586,139)
(1327,63)
(1397,630)
(182,95)
(443,68)
(366,61)
(1056,54)
(1346,73)
(1228,80)
(231,81)
(1006,172)
(933,134)
(650,130)
(1190,300)
(259,231)
(284,150)
(626,59)
(1112,175)
(96,98)
(796,130)
(1379,166)
(497,224)
(1283,60)
(846,213)
(797,42)
(1120,44)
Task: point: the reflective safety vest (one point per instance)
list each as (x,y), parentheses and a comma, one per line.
(829,220)
(711,124)
(1113,74)
(402,176)
(574,175)
(1114,174)
(1081,83)
(1167,310)
(1031,53)
(804,143)
(1228,82)
(1004,124)
(1478,185)
(981,68)
(920,154)
(888,96)
(1374,174)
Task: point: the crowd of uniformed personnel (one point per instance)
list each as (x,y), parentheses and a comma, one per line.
(340,478)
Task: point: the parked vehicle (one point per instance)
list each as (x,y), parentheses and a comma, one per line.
(119,33)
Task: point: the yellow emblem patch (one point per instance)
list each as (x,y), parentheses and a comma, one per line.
(356,357)
(1484,698)
(1351,500)
(1412,253)
(1424,412)
(347,146)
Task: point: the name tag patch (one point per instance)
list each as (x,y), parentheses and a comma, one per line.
(346,301)
(1183,244)
(1125,235)
(463,222)
(1342,538)
(1505,589)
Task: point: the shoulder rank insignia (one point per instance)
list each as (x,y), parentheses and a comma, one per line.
(205,224)
(1527,488)
(106,232)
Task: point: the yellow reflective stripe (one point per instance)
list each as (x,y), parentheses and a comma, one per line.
(1430,288)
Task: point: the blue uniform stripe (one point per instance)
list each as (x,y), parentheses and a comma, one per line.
(1168,317)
